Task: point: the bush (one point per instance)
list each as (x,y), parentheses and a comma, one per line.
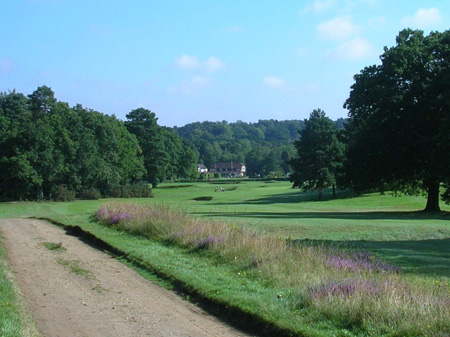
(62,193)
(90,194)
(136,190)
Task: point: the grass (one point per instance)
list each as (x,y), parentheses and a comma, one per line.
(392,228)
(357,292)
(54,246)
(14,320)
(74,267)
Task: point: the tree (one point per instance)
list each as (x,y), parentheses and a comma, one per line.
(42,100)
(400,117)
(319,154)
(143,124)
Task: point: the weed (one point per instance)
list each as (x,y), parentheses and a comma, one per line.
(75,268)
(54,246)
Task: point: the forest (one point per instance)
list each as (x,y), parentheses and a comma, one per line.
(49,150)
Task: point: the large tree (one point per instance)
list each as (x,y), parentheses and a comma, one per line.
(143,124)
(400,118)
(319,154)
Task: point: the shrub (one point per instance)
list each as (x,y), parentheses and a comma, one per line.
(90,194)
(62,193)
(136,190)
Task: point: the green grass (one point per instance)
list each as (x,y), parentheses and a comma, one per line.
(54,246)
(14,320)
(391,227)
(74,267)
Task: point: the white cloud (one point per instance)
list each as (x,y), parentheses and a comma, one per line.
(213,64)
(319,6)
(6,65)
(423,18)
(339,28)
(187,62)
(353,50)
(274,82)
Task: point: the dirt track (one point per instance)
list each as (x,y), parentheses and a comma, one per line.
(80,291)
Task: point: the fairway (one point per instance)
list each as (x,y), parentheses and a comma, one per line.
(275,208)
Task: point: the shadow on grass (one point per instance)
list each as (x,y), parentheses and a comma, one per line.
(421,257)
(298,196)
(382,215)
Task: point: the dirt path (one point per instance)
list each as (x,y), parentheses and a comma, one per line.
(80,291)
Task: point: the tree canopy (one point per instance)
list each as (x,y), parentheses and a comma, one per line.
(400,117)
(319,154)
(166,155)
(46,148)
(265,146)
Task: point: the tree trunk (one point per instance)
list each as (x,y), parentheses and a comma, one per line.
(433,197)
(320,194)
(334,191)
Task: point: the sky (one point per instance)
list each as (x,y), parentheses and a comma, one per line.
(201,60)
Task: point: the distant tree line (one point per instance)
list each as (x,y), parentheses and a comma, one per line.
(49,150)
(264,147)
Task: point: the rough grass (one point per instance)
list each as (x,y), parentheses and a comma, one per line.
(356,292)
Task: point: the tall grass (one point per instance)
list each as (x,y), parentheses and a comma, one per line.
(354,291)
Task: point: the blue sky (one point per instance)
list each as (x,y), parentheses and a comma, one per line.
(195,60)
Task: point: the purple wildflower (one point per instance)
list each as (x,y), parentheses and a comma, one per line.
(121,217)
(208,242)
(360,260)
(347,288)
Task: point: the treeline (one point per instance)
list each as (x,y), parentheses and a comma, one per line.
(264,147)
(49,150)
(397,135)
